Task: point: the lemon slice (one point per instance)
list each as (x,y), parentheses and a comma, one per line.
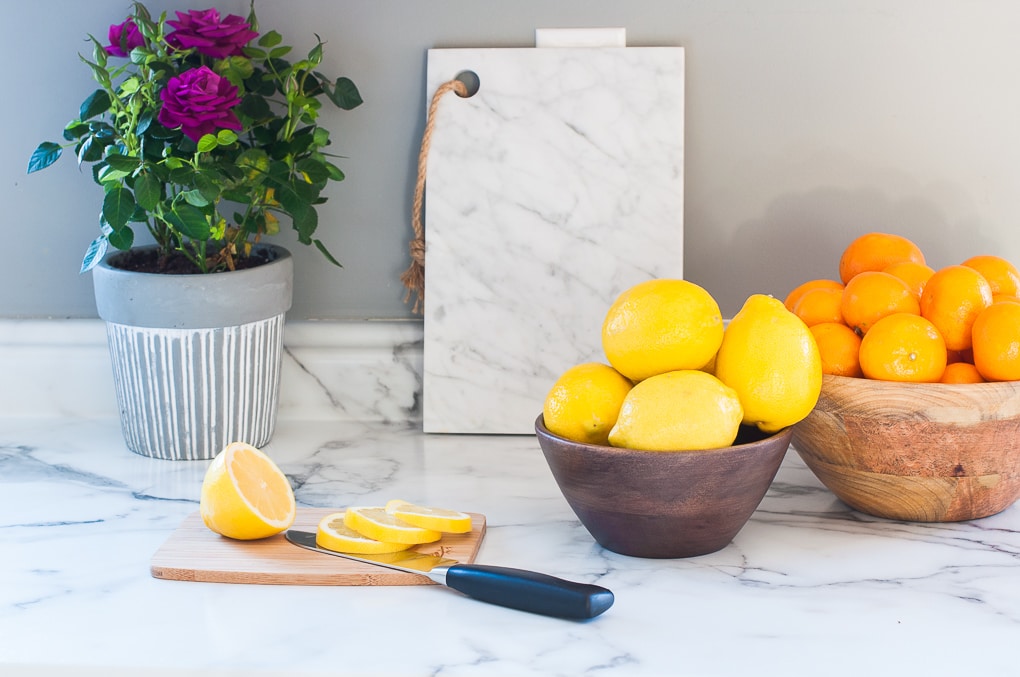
(436,519)
(379,525)
(245,495)
(333,534)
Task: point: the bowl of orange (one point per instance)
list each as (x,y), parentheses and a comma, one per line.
(919,413)
(926,452)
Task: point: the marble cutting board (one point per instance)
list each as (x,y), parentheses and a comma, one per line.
(552,189)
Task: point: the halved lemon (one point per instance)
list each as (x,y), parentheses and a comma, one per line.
(379,525)
(245,495)
(333,534)
(437,519)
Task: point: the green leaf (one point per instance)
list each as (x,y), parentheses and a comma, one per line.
(123,238)
(90,150)
(305,224)
(118,205)
(253,162)
(255,107)
(207,143)
(108,174)
(96,104)
(209,189)
(325,252)
(270,39)
(94,254)
(334,172)
(195,198)
(345,94)
(315,54)
(75,130)
(189,220)
(123,162)
(43,156)
(225,137)
(129,86)
(315,171)
(279,52)
(148,191)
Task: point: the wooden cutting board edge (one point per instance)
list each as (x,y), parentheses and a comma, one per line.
(194,553)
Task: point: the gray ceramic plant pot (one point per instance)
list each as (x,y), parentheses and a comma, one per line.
(196,358)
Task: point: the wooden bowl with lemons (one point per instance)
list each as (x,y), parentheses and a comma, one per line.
(926,452)
(665,504)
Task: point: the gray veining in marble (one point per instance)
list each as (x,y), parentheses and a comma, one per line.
(549,192)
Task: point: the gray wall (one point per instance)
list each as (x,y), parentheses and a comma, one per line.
(807,123)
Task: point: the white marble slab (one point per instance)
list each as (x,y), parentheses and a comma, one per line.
(555,187)
(808,587)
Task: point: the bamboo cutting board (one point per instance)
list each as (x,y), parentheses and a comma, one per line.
(194,553)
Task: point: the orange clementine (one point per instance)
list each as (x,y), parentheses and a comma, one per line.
(903,347)
(839,347)
(1005,297)
(961,372)
(819,305)
(876,251)
(952,299)
(1002,276)
(800,290)
(997,342)
(913,273)
(872,295)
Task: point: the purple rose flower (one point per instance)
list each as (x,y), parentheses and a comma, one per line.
(123,38)
(199,102)
(204,31)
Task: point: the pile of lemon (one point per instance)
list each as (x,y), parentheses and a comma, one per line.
(678,379)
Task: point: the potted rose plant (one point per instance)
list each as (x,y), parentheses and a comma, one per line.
(204,132)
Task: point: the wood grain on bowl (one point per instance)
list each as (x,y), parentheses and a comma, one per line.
(664,504)
(918,452)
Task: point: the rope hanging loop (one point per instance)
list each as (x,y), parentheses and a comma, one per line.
(414,277)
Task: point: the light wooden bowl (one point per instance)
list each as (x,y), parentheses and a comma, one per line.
(912,451)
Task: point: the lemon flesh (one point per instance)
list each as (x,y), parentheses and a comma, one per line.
(379,525)
(245,495)
(661,325)
(584,402)
(436,519)
(770,358)
(684,410)
(333,534)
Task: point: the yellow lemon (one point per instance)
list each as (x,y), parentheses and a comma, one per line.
(661,325)
(436,519)
(333,534)
(770,358)
(681,410)
(378,525)
(245,495)
(584,402)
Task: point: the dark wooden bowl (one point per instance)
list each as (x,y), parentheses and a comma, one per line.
(664,504)
(915,451)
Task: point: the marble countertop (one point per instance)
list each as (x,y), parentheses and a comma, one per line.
(808,587)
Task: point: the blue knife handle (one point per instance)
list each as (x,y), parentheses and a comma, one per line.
(529,591)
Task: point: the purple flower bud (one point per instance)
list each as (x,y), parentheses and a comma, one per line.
(123,38)
(206,33)
(199,102)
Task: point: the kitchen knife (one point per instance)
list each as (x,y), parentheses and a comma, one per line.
(514,588)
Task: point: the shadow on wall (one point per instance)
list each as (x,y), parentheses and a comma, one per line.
(801,236)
